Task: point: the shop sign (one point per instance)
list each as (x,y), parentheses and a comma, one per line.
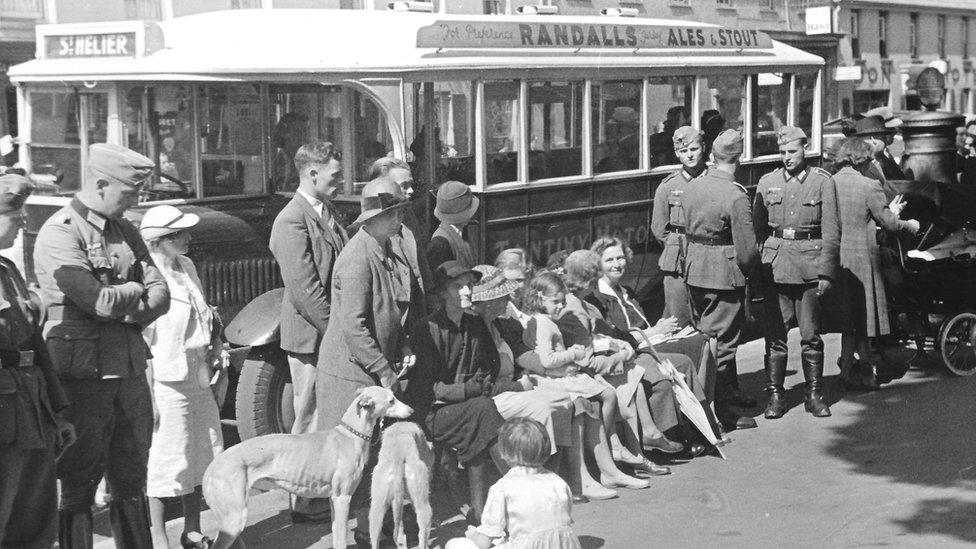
(819,20)
(510,34)
(116,44)
(848,74)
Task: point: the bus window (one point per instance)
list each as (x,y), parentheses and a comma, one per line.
(669,109)
(371,134)
(158,122)
(723,106)
(231,147)
(501,130)
(453,115)
(616,116)
(770,107)
(555,129)
(300,114)
(806,89)
(56,143)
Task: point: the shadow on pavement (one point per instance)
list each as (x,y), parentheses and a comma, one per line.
(946,516)
(279,530)
(591,542)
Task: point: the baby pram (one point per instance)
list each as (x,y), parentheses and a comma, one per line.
(931,276)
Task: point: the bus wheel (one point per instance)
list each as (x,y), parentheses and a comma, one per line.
(264,397)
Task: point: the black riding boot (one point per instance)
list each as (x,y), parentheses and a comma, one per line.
(75,530)
(775,376)
(130,522)
(813,373)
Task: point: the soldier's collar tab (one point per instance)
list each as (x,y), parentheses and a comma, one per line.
(800,177)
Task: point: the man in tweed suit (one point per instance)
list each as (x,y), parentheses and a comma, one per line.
(721,256)
(795,215)
(305,241)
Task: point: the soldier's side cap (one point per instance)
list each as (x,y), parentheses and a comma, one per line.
(117,163)
(14,190)
(728,143)
(685,136)
(789,134)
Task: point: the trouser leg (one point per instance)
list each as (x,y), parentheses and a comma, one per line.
(811,353)
(660,399)
(92,412)
(677,302)
(778,316)
(303,380)
(126,470)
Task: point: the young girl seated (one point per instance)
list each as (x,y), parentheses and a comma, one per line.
(530,507)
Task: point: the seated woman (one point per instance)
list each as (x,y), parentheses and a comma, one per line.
(581,271)
(450,389)
(613,301)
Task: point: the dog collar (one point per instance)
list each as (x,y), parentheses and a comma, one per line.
(363,436)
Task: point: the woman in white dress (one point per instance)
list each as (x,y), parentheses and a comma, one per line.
(186,432)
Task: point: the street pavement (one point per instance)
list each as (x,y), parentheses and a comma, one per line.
(893,468)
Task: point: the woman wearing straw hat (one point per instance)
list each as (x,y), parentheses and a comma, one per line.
(185,350)
(455,208)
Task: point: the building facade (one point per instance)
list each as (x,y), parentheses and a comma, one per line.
(884,44)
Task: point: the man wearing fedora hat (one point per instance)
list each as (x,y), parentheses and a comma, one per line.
(721,256)
(101,289)
(668,222)
(795,215)
(873,130)
(455,208)
(305,241)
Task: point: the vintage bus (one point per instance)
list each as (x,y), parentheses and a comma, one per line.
(561,124)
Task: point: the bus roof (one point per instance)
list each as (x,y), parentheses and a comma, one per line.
(320,44)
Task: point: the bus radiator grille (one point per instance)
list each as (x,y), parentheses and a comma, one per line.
(235,283)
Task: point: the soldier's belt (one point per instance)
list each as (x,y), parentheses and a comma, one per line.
(709,240)
(677,229)
(797,234)
(16,359)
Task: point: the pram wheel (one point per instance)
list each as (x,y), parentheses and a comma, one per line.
(957,343)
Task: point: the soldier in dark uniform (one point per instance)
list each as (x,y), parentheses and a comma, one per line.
(31,429)
(795,214)
(668,222)
(101,289)
(721,256)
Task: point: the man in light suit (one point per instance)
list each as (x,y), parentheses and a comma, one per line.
(305,240)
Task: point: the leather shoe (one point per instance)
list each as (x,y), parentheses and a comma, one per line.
(732,420)
(580,499)
(662,444)
(650,468)
(324,517)
(203,543)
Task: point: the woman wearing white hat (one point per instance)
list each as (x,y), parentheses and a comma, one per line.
(186,433)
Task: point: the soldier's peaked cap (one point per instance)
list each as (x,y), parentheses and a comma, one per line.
(117,163)
(789,134)
(14,190)
(728,143)
(685,136)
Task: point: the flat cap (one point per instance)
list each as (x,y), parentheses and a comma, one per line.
(685,136)
(117,163)
(728,143)
(789,134)
(14,190)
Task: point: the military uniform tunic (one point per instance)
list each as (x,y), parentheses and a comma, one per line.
(30,396)
(668,227)
(796,225)
(720,256)
(101,288)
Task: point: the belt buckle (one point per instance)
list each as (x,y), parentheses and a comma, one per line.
(789,234)
(26,359)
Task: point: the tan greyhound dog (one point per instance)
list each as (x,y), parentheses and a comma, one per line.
(322,464)
(403,469)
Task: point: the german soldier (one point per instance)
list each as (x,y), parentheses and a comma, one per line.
(668,222)
(795,214)
(101,289)
(31,397)
(721,255)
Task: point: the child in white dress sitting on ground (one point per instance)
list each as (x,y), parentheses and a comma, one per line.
(530,507)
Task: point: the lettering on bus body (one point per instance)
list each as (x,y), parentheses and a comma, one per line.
(119,44)
(539,250)
(507,34)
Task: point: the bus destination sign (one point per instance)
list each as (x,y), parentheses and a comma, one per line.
(116,44)
(511,34)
